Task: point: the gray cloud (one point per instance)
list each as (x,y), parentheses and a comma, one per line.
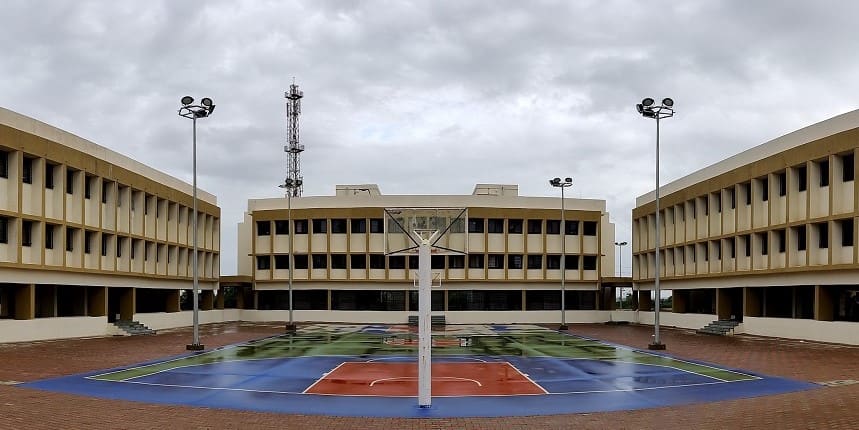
(429,97)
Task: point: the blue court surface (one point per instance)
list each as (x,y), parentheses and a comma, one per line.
(478,371)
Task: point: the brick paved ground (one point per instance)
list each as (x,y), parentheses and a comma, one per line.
(825,408)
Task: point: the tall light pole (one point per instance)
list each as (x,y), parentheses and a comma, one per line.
(620,246)
(192,111)
(567,182)
(290,185)
(648,110)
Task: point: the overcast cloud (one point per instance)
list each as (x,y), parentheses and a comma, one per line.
(430,97)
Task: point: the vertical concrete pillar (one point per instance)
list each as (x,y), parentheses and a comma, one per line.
(97,301)
(240,297)
(329,299)
(752,303)
(25,302)
(645,301)
(172,300)
(723,304)
(680,301)
(219,299)
(256,300)
(127,300)
(824,304)
(524,298)
(207,301)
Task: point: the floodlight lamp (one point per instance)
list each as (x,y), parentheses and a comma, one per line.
(640,108)
(201,113)
(668,102)
(647,102)
(207,102)
(187,100)
(556,180)
(568,180)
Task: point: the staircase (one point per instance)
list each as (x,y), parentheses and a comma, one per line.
(434,320)
(718,327)
(133,328)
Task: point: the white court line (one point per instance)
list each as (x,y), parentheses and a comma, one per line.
(324,375)
(434,378)
(526,377)
(436,359)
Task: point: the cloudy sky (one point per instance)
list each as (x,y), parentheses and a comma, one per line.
(430,97)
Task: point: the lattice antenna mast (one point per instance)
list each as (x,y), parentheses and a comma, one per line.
(293,149)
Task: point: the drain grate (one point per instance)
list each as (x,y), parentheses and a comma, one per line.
(839,382)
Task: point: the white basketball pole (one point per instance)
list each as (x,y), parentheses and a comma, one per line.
(424,333)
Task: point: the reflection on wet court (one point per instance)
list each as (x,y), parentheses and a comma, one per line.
(478,370)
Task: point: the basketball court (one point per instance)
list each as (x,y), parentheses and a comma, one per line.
(371,370)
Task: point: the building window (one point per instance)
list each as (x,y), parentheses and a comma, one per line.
(456,261)
(338,261)
(535,226)
(437,262)
(281,226)
(802,178)
(764,244)
(782,183)
(824,173)
(535,261)
(299,261)
(706,206)
(49,236)
(495,225)
(748,241)
(397,262)
(475,225)
(847,232)
(765,189)
(747,190)
(358,261)
(105,187)
(553,226)
(27,174)
(70,239)
(104,240)
(553,262)
(281,261)
(800,236)
(847,166)
(571,262)
(263,262)
(4,229)
(26,233)
(4,164)
(359,225)
(495,261)
(320,226)
(475,261)
(514,261)
(88,187)
(377,261)
(571,227)
(823,235)
(717,197)
(88,242)
(119,241)
(377,225)
(589,262)
(590,228)
(732,194)
(782,242)
(263,228)
(514,226)
(49,176)
(732,248)
(338,226)
(693,206)
(70,181)
(319,261)
(413,262)
(300,226)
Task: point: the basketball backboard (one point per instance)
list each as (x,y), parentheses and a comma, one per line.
(444,227)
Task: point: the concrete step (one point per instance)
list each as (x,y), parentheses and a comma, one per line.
(434,320)
(134,328)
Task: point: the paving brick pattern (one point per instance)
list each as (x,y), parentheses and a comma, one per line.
(824,408)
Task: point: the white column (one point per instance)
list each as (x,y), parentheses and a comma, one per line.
(424,333)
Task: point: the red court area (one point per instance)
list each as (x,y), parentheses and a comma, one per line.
(448,379)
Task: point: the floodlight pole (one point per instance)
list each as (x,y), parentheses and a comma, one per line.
(558,183)
(424,324)
(189,110)
(620,246)
(664,110)
(290,185)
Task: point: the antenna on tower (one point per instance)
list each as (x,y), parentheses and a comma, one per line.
(293,149)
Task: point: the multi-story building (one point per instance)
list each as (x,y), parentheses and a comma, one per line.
(88,236)
(766,238)
(509,273)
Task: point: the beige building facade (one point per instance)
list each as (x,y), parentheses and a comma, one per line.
(88,236)
(767,238)
(510,271)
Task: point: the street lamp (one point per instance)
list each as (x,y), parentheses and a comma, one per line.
(192,111)
(290,185)
(567,182)
(620,246)
(648,110)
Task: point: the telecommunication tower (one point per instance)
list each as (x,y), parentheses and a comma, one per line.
(293,149)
